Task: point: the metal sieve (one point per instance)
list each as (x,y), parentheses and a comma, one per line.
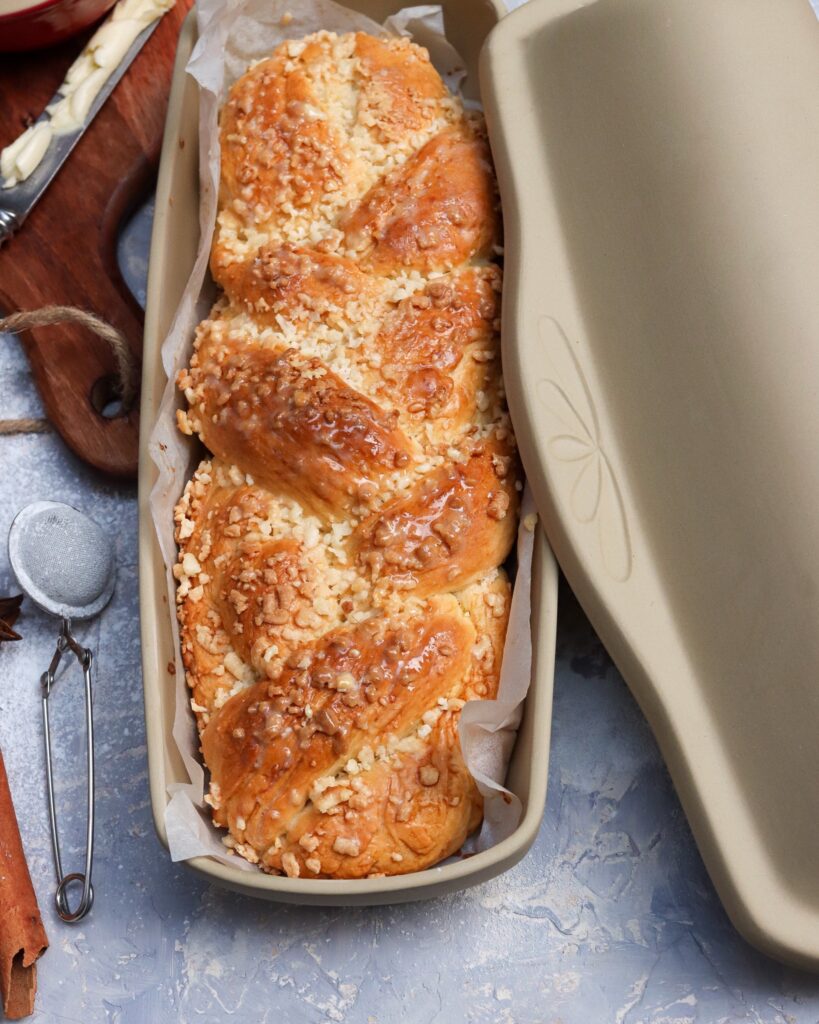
(65,563)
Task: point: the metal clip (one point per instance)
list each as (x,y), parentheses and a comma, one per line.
(67,642)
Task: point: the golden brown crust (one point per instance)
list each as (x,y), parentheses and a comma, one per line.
(399,87)
(339,592)
(295,426)
(433,213)
(438,347)
(275,151)
(454,523)
(282,281)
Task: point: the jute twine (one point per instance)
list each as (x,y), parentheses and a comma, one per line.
(47,316)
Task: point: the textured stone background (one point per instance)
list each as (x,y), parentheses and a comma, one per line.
(610,919)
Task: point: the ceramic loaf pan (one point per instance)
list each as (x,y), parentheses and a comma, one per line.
(173,249)
(659,167)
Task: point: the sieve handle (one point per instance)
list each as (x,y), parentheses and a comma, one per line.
(65,643)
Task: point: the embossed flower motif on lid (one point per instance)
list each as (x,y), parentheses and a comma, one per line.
(575,441)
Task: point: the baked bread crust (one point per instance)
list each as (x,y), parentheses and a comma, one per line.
(340,593)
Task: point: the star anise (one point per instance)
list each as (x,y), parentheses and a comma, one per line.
(9,610)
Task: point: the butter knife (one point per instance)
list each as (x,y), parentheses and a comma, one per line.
(17,202)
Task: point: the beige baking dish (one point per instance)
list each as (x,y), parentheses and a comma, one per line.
(173,248)
(659,166)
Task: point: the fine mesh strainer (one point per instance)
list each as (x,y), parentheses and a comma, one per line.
(65,563)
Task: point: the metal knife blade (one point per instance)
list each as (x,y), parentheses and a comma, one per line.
(17,202)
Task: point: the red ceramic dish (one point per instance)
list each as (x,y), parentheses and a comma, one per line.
(49,22)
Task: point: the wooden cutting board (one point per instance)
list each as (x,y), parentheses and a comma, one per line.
(65,253)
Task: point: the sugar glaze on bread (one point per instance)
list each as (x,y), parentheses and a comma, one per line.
(340,591)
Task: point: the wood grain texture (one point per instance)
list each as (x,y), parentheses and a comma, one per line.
(66,251)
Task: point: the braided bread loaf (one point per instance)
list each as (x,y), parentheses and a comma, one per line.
(340,595)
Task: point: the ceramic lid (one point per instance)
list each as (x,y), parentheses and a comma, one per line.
(659,169)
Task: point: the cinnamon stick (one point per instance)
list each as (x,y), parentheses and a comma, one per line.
(22,936)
